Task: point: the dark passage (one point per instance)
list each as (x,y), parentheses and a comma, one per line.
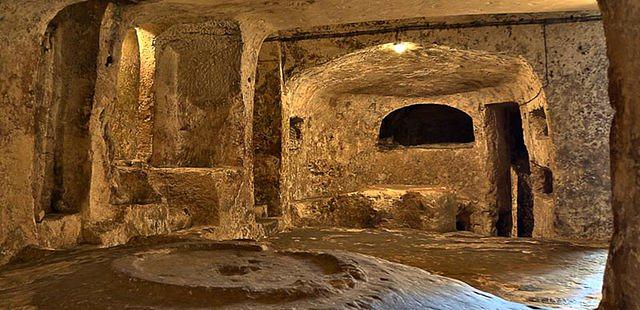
(520,164)
(514,174)
(424,124)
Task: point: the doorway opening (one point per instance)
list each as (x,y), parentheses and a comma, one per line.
(515,196)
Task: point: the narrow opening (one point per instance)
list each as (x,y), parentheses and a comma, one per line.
(547,187)
(539,123)
(463,220)
(295,128)
(67,77)
(542,179)
(267,138)
(424,125)
(519,160)
(515,211)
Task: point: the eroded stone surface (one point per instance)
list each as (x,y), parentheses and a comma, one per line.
(556,275)
(234,275)
(206,117)
(336,108)
(424,208)
(579,173)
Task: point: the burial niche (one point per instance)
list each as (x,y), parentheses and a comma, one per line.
(429,125)
(67,76)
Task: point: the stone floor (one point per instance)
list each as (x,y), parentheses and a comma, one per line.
(540,273)
(181,273)
(309,268)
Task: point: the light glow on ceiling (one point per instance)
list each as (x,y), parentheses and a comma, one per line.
(401,47)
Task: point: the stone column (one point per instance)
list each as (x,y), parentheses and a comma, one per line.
(622,30)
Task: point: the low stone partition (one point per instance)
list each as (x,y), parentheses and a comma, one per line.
(434,209)
(150,201)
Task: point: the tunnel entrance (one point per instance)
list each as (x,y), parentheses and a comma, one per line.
(515,197)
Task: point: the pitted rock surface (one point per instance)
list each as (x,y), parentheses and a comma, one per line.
(235,275)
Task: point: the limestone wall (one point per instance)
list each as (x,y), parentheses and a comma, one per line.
(190,162)
(567,52)
(22,31)
(129,194)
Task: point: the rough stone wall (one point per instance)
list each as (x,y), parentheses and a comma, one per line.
(333,113)
(24,28)
(580,119)
(66,77)
(570,59)
(24,22)
(122,205)
(568,55)
(338,153)
(198,124)
(622,26)
(338,149)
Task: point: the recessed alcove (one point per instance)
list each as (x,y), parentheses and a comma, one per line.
(388,129)
(539,123)
(67,74)
(198,102)
(426,125)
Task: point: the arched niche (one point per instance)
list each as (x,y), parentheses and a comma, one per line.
(130,117)
(426,125)
(66,85)
(123,117)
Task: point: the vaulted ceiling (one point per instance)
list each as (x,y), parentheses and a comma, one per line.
(287,14)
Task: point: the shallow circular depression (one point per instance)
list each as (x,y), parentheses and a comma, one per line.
(233,275)
(245,269)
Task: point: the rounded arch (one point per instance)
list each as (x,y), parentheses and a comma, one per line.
(418,72)
(425,124)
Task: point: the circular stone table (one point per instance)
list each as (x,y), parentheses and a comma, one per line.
(236,275)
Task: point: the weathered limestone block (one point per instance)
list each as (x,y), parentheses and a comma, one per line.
(414,210)
(349,211)
(60,230)
(149,201)
(131,186)
(205,193)
(137,220)
(392,207)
